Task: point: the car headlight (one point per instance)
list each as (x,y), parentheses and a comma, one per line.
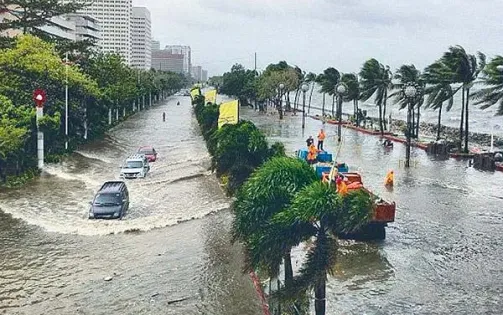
(116,214)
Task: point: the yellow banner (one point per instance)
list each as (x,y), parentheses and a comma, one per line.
(195,92)
(211,96)
(229,113)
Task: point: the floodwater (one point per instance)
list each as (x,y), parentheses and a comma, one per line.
(171,254)
(443,255)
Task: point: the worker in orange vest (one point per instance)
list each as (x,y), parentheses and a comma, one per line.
(342,188)
(321,138)
(311,154)
(390,179)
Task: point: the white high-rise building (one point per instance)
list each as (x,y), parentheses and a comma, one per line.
(114,17)
(141,42)
(187,58)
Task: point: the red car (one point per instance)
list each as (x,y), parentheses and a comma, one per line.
(149,152)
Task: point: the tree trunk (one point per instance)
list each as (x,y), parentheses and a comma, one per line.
(384,110)
(288,268)
(310,97)
(439,125)
(380,120)
(333,106)
(462,119)
(413,123)
(288,106)
(417,120)
(323,107)
(356,111)
(295,100)
(467,99)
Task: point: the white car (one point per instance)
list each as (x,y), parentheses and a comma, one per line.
(135,166)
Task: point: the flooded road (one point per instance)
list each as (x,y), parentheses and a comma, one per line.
(444,253)
(53,260)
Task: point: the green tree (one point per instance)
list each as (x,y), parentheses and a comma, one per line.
(353,93)
(28,14)
(457,66)
(318,214)
(376,79)
(492,79)
(328,80)
(240,83)
(267,192)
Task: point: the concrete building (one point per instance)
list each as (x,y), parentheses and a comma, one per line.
(186,52)
(204,76)
(197,73)
(114,17)
(156,45)
(164,60)
(141,41)
(86,26)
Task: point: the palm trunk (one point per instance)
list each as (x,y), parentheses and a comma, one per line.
(439,125)
(356,111)
(321,278)
(333,106)
(310,97)
(467,99)
(323,107)
(288,268)
(417,122)
(295,100)
(380,120)
(384,110)
(462,119)
(288,105)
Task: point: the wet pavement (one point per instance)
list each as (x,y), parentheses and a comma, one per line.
(443,255)
(53,260)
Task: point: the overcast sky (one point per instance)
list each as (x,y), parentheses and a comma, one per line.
(316,34)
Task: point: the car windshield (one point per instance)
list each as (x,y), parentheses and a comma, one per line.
(134,164)
(108,199)
(146,151)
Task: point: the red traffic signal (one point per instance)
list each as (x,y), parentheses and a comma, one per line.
(39,97)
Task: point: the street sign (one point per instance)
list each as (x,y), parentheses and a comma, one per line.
(39,97)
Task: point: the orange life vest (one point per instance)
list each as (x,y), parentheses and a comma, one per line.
(321,136)
(311,155)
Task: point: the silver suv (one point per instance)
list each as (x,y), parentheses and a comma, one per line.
(135,166)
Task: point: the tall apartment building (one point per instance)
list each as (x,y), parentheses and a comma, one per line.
(141,40)
(204,76)
(86,26)
(114,17)
(164,60)
(197,73)
(186,52)
(156,45)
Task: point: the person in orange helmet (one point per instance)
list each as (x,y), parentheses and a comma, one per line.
(342,188)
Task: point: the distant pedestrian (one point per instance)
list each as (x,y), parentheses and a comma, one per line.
(178,103)
(163,116)
(309,141)
(321,138)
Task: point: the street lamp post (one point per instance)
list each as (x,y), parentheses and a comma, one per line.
(411,90)
(280,101)
(341,90)
(304,88)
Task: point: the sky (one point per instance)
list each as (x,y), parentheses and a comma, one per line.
(317,34)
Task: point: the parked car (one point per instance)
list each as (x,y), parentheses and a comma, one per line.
(111,201)
(149,152)
(135,166)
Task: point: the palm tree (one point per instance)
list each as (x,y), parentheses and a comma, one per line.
(464,68)
(492,78)
(318,213)
(408,74)
(329,80)
(311,79)
(376,79)
(268,191)
(437,95)
(353,93)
